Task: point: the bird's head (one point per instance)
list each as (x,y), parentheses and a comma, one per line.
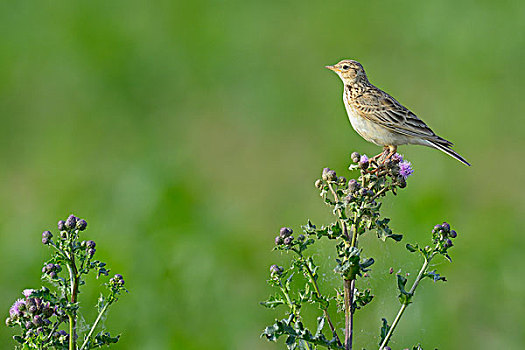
(349,71)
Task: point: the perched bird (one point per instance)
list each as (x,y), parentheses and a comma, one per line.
(379,118)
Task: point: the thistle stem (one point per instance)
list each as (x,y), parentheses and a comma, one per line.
(349,284)
(95,325)
(74,278)
(404,306)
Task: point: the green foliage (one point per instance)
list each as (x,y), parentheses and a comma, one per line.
(356,208)
(42,313)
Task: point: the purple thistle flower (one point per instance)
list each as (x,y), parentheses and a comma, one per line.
(17,308)
(363,159)
(27,292)
(405,169)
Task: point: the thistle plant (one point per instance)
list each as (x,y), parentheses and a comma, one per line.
(48,318)
(356,206)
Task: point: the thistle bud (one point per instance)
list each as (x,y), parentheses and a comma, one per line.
(119,279)
(355,157)
(353,185)
(329,175)
(288,240)
(81,224)
(37,320)
(363,192)
(50,267)
(61,225)
(453,234)
(276,270)
(285,232)
(71,222)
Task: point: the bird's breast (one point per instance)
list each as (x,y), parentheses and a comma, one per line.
(369,130)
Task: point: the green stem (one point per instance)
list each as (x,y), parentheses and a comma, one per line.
(404,306)
(349,285)
(286,293)
(53,330)
(74,280)
(381,191)
(95,325)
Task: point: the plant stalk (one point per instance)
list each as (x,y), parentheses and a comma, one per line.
(95,325)
(74,278)
(349,284)
(404,306)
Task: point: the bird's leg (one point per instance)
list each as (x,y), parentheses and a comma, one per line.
(388,152)
(385,149)
(393,150)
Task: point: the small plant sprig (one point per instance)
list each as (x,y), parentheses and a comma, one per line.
(442,237)
(48,319)
(356,207)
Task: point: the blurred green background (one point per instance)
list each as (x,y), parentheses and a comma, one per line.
(188,132)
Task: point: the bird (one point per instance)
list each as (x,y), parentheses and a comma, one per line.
(380,119)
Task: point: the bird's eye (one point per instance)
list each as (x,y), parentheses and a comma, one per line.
(345,67)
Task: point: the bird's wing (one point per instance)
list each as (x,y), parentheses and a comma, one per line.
(381,108)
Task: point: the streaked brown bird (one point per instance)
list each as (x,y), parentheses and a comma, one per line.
(379,118)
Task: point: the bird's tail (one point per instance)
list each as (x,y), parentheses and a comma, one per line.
(446,149)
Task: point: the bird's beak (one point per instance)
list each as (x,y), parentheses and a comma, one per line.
(332,68)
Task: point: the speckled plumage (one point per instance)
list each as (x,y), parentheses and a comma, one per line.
(379,118)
